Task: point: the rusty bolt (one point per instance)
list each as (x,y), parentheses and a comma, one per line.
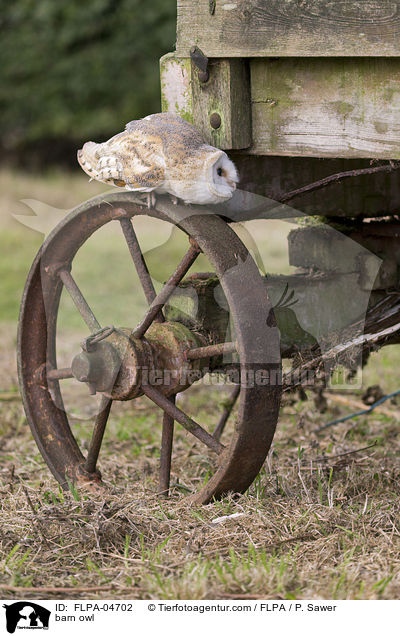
(215,120)
(83,368)
(203,76)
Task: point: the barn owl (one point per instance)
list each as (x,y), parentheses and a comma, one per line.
(162,153)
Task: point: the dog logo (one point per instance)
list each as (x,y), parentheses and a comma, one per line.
(26,615)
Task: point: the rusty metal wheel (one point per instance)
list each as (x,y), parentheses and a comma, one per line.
(118,362)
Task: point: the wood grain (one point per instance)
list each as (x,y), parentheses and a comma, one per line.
(176,88)
(226,93)
(325,107)
(259,28)
(343,107)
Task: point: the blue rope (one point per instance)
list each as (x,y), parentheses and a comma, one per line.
(363,412)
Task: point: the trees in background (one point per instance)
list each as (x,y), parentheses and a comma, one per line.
(74,70)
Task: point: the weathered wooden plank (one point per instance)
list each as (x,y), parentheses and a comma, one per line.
(226,95)
(326,107)
(260,28)
(346,107)
(176,86)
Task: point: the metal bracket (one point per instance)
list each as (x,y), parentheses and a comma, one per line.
(201,62)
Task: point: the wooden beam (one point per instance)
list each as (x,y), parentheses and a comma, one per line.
(272,176)
(326,107)
(226,95)
(261,28)
(176,88)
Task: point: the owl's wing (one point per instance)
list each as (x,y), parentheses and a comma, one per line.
(154,120)
(133,160)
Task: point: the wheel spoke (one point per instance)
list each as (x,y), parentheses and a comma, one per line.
(166,450)
(140,263)
(168,289)
(97,435)
(181,417)
(226,413)
(211,350)
(59,374)
(79,300)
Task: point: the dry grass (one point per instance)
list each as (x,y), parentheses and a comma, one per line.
(318,522)
(321,521)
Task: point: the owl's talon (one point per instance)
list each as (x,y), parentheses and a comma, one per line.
(151,200)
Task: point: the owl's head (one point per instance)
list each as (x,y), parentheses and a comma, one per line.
(222,176)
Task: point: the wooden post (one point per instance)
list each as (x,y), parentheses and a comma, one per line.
(223,99)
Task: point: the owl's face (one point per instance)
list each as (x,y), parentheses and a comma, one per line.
(222,177)
(208,176)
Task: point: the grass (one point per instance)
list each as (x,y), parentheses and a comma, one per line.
(317,523)
(320,521)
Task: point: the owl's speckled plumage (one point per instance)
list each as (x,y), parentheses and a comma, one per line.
(165,154)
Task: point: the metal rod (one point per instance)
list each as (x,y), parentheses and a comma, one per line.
(80,302)
(97,435)
(168,289)
(166,451)
(140,263)
(59,374)
(211,350)
(219,429)
(181,417)
(334,178)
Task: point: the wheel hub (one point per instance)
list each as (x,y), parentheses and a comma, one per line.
(120,365)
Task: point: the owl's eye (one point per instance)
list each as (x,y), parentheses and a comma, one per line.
(219,172)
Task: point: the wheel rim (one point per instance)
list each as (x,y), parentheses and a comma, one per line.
(257,341)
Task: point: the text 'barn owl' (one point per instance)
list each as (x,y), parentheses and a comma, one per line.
(165,154)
